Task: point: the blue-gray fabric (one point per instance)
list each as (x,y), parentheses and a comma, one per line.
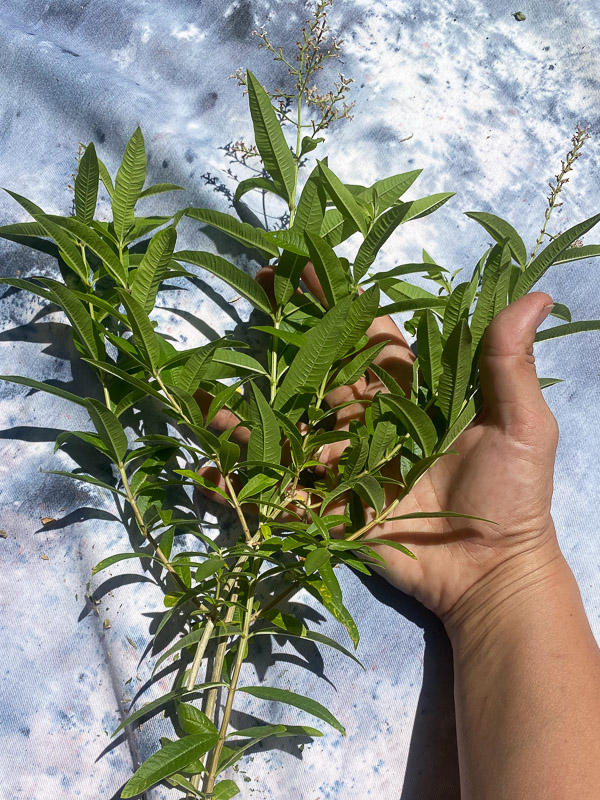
(486,105)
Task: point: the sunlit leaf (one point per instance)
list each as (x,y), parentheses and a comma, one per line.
(501,231)
(296,700)
(129,184)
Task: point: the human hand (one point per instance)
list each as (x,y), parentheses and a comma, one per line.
(503,470)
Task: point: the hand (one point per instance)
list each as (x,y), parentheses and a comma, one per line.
(503,470)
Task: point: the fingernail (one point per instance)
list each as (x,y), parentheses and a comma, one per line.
(546,310)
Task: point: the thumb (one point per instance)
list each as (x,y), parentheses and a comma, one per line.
(508,378)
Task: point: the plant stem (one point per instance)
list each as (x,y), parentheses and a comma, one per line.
(238,508)
(239,660)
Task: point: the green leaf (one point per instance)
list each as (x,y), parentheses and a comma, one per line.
(343,199)
(225,790)
(312,636)
(380,232)
(456,363)
(561,311)
(265,437)
(235,359)
(160,188)
(412,304)
(145,387)
(498,263)
(426,514)
(389,190)
(457,309)
(336,228)
(329,269)
(567,330)
(464,419)
(77,314)
(577,253)
(429,344)
(109,428)
(356,368)
(171,758)
(390,543)
(242,232)
(235,277)
(272,146)
(256,485)
(70,252)
(383,437)
(193,721)
(360,317)
(153,268)
(45,387)
(548,256)
(406,269)
(544,382)
(129,184)
(297,339)
(310,210)
(162,701)
(427,205)
(315,559)
(209,567)
(287,276)
(97,245)
(29,206)
(501,231)
(108,562)
(309,144)
(414,419)
(143,331)
(264,184)
(106,179)
(313,362)
(86,185)
(371,491)
(296,700)
(321,592)
(86,479)
(192,373)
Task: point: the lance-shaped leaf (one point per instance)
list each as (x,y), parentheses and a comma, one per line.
(383,437)
(458,307)
(264,443)
(86,185)
(407,269)
(427,205)
(568,329)
(242,232)
(109,428)
(360,317)
(70,252)
(548,256)
(316,358)
(454,381)
(412,304)
(105,178)
(171,758)
(310,210)
(45,387)
(153,267)
(343,199)
(287,276)
(160,188)
(498,262)
(317,588)
(371,491)
(388,190)
(29,206)
(315,559)
(193,721)
(272,146)
(192,373)
(414,419)
(296,700)
(356,368)
(77,314)
(129,184)
(574,253)
(329,269)
(108,562)
(256,485)
(228,272)
(97,245)
(382,229)
(336,228)
(264,184)
(145,337)
(501,231)
(429,344)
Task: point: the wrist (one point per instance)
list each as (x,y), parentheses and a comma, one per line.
(514,590)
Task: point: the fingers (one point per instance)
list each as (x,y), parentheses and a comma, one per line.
(509,383)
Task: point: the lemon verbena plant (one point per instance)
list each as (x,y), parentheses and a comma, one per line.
(109,275)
